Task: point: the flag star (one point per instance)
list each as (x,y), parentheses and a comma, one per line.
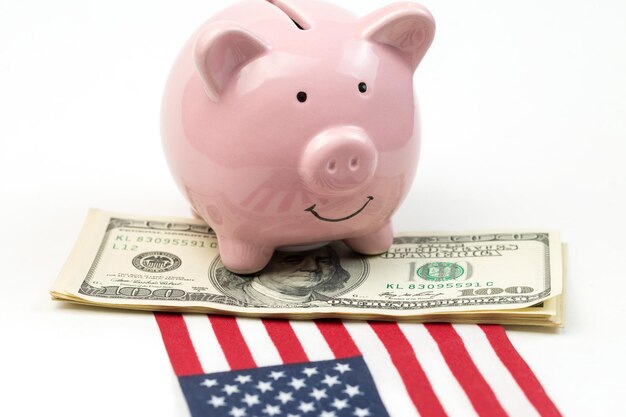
(251,400)
(271,410)
(340,404)
(297,383)
(330,380)
(361,412)
(328,414)
(284,397)
(342,367)
(264,386)
(209,383)
(237,412)
(306,407)
(293,415)
(230,389)
(242,379)
(217,401)
(276,375)
(309,371)
(318,394)
(352,390)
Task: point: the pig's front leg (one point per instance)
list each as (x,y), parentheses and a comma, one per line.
(243,257)
(374,243)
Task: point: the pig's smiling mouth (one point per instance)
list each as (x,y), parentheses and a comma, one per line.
(325,219)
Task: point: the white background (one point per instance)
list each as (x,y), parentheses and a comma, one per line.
(524,126)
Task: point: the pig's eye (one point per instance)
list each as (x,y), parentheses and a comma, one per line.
(301,96)
(362,87)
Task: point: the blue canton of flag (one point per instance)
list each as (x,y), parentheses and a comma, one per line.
(333,388)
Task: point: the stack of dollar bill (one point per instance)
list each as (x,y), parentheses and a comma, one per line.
(172,264)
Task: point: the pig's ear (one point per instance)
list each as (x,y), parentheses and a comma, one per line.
(407,27)
(220,51)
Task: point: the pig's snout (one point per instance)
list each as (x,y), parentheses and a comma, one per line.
(338,161)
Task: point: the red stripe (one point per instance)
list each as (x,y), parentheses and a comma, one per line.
(520,371)
(178,344)
(338,338)
(465,371)
(285,339)
(404,359)
(232,342)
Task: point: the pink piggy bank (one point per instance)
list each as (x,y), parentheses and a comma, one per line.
(291,123)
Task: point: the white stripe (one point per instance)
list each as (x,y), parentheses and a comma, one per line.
(259,342)
(386,377)
(312,340)
(495,373)
(450,393)
(205,343)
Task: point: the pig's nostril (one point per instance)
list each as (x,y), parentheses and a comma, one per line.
(354,163)
(332,167)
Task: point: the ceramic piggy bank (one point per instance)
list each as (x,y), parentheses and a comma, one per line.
(291,123)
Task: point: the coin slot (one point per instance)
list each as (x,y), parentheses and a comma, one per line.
(292,14)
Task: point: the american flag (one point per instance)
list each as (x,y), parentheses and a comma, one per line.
(246,367)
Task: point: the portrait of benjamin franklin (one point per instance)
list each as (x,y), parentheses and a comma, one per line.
(291,278)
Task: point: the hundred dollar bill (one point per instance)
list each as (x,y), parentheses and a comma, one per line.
(173,264)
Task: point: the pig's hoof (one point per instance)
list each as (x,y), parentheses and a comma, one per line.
(373,244)
(243,257)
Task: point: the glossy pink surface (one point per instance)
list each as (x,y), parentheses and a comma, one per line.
(286,132)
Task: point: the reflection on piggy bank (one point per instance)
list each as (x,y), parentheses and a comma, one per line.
(292,123)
